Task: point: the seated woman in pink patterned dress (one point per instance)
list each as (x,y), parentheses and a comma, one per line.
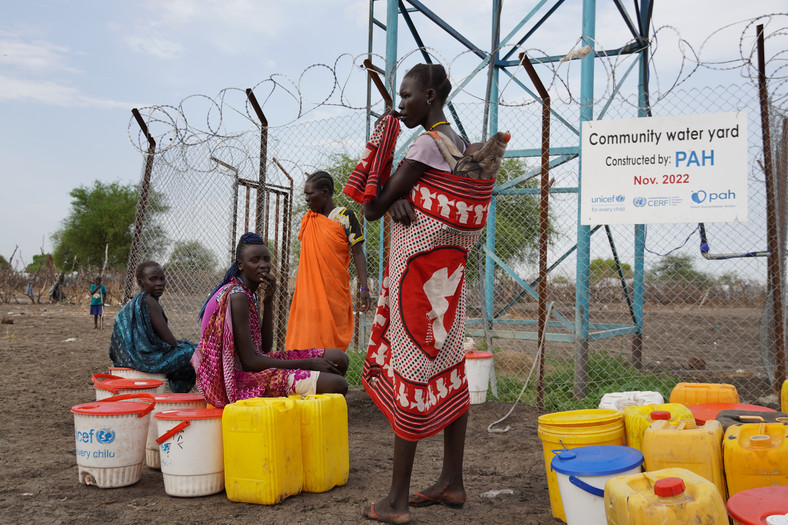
(234,360)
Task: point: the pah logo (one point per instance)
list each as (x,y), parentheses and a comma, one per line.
(639,201)
(698,196)
(701,196)
(105,436)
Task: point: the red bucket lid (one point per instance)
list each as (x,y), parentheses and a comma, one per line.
(708,411)
(753,506)
(116,385)
(127,404)
(478,354)
(190,413)
(173,397)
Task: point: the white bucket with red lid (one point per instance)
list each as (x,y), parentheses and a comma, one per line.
(478,365)
(167,401)
(110,439)
(130,373)
(108,385)
(191,451)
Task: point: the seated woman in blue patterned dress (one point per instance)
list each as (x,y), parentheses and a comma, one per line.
(141,338)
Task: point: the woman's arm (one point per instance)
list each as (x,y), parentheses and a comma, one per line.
(251,361)
(158,322)
(361,269)
(400,183)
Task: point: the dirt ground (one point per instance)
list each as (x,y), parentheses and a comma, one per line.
(50,353)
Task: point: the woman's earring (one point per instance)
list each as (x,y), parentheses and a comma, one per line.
(429,102)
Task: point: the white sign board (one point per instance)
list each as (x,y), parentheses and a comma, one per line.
(689,168)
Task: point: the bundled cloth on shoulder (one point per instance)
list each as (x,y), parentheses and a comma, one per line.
(134,344)
(374,168)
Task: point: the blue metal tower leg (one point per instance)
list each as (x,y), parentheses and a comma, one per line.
(582,293)
(489,265)
(638,282)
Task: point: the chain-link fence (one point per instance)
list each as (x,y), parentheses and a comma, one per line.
(703,318)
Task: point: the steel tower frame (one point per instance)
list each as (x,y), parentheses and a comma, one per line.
(581,331)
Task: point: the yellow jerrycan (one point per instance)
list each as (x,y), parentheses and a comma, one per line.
(638,418)
(697,393)
(262,450)
(324,441)
(755,455)
(687,445)
(668,496)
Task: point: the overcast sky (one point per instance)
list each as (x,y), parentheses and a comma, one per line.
(71,70)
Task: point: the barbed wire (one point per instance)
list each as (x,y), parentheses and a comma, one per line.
(203,120)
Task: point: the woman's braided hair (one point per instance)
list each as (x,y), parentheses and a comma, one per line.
(322,181)
(432,76)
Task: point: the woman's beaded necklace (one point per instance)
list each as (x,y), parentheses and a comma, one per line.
(438,124)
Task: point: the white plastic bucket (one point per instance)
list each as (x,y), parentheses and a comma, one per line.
(110,439)
(130,373)
(191,451)
(621,400)
(107,385)
(582,473)
(478,364)
(167,401)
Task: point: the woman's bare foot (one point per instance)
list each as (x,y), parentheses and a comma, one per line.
(382,512)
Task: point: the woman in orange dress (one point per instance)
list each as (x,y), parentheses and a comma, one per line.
(321,313)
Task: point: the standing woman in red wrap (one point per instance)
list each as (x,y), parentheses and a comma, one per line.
(415,365)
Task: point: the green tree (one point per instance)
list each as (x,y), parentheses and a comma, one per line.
(101,215)
(39,261)
(599,269)
(191,256)
(677,268)
(4,264)
(517,217)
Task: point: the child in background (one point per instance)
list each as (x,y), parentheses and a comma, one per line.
(141,338)
(98,293)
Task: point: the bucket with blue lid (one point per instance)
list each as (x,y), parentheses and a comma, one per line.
(582,473)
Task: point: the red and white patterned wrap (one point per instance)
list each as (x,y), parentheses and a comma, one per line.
(415,365)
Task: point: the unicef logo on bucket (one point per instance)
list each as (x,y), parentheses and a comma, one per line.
(639,201)
(105,436)
(698,196)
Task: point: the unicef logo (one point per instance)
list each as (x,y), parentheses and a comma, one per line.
(105,436)
(699,196)
(639,201)
(620,198)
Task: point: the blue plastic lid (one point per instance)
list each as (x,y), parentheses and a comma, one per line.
(597,460)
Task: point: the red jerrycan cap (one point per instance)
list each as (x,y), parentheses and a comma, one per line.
(660,415)
(668,487)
